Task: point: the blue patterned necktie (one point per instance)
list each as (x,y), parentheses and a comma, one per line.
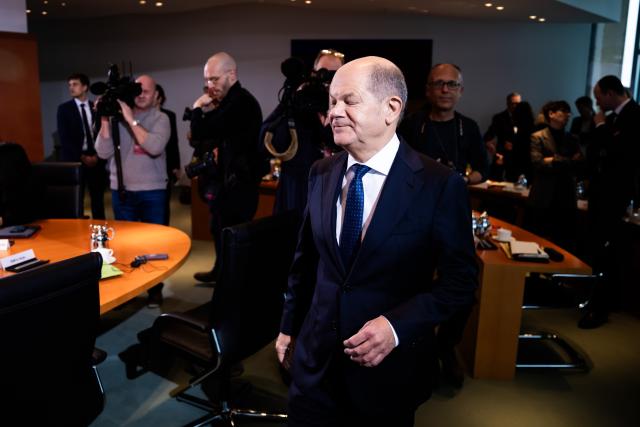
(352,221)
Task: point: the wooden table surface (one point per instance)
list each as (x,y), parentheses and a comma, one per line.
(61,239)
(490,342)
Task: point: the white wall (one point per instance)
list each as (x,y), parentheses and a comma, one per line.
(542,61)
(13,16)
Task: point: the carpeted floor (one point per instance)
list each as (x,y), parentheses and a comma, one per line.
(605,396)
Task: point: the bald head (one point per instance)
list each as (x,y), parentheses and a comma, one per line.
(367,97)
(384,77)
(148,96)
(220,73)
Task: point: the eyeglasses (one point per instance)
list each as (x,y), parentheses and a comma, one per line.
(214,79)
(439,84)
(332,52)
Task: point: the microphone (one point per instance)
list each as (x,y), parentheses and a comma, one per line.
(142,259)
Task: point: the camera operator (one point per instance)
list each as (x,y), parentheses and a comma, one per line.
(314,136)
(143,133)
(225,123)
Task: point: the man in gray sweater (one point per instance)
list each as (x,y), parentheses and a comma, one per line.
(144,133)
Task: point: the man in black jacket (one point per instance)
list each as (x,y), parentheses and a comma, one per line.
(614,184)
(454,140)
(76,120)
(225,124)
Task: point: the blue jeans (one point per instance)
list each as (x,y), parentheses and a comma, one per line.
(142,206)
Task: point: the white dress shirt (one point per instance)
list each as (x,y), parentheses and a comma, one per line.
(372,183)
(87,110)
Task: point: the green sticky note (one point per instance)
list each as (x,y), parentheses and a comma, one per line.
(108,270)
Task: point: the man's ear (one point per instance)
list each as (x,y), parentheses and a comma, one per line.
(394,108)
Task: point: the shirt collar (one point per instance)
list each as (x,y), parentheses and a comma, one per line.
(79,103)
(381,162)
(621,106)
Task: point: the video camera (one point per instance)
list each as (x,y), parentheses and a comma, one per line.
(305,92)
(115,88)
(200,164)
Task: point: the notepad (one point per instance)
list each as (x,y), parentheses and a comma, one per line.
(109,270)
(527,251)
(521,247)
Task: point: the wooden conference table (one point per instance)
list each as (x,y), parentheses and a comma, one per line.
(490,343)
(61,239)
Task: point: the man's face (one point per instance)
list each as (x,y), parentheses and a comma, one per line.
(77,89)
(442,92)
(357,116)
(513,103)
(328,62)
(147,97)
(218,79)
(604,99)
(559,119)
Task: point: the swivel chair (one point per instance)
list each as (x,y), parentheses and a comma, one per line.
(63,187)
(558,291)
(242,317)
(48,326)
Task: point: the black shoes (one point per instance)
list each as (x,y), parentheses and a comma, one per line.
(452,371)
(206,276)
(593,319)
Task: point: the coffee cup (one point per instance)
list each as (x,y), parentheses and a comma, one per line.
(107,254)
(503,234)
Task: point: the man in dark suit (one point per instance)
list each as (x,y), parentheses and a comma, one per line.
(76,130)
(614,183)
(366,293)
(172,151)
(500,138)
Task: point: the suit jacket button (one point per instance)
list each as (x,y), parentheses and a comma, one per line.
(346,287)
(334,325)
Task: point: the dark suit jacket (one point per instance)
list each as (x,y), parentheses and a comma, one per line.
(615,173)
(71,131)
(554,185)
(421,224)
(172,149)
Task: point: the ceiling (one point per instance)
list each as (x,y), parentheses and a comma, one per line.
(514,10)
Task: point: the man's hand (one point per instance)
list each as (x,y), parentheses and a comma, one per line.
(89,161)
(204,100)
(599,118)
(284,349)
(373,342)
(491,146)
(126,112)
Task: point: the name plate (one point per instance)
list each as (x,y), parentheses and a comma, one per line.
(14,259)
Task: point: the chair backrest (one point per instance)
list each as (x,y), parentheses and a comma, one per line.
(48,325)
(63,189)
(247,303)
(18,188)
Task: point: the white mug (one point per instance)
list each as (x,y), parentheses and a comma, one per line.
(107,254)
(503,234)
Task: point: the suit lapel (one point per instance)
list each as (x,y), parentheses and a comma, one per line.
(331,186)
(395,198)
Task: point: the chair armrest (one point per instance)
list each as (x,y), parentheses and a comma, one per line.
(189,321)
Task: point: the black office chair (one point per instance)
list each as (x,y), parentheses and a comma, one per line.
(242,317)
(540,349)
(63,183)
(48,325)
